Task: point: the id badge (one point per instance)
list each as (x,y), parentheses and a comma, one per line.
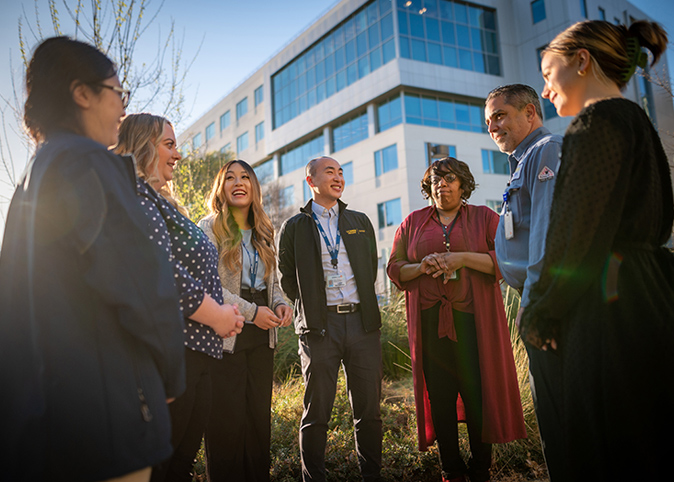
(508,224)
(336,280)
(454,275)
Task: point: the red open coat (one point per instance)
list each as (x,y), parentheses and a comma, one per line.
(501,407)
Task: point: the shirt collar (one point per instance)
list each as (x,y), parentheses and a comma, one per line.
(323,211)
(528,140)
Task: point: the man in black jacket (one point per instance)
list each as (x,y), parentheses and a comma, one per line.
(328,264)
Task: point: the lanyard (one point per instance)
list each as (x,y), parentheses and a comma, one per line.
(334,251)
(446,232)
(253,262)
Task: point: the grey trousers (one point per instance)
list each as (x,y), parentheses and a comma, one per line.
(345,343)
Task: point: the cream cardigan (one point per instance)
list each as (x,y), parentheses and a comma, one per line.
(231,289)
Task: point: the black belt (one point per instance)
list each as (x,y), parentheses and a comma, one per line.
(344,308)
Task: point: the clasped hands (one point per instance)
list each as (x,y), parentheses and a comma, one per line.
(436,264)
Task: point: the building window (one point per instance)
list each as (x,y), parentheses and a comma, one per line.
(494,204)
(265,171)
(242,143)
(299,156)
(386,160)
(435,112)
(259,132)
(583,8)
(347,172)
(494,162)
(549,110)
(538,10)
(226,148)
(349,132)
(210,131)
(224,120)
(241,108)
(439,151)
(358,46)
(196,141)
(455,34)
(539,55)
(308,193)
(389,213)
(288,196)
(616,21)
(389,113)
(602,14)
(259,96)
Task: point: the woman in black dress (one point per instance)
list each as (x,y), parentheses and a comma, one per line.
(605,299)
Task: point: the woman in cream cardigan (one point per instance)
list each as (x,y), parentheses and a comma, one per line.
(237,448)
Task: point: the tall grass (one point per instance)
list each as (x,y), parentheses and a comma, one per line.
(402,462)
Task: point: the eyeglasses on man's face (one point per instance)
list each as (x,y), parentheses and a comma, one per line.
(448,178)
(123,93)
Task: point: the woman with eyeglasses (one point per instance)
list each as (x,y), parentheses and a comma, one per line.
(208,319)
(443,259)
(90,327)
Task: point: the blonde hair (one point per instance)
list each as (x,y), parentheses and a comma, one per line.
(613,60)
(226,231)
(140,135)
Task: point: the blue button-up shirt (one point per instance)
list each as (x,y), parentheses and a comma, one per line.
(533,171)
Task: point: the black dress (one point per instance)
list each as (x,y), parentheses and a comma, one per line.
(606,294)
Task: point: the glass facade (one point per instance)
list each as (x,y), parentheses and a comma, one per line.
(349,132)
(549,111)
(227,147)
(259,132)
(538,10)
(196,141)
(358,46)
(494,162)
(265,171)
(288,196)
(389,213)
(242,143)
(449,33)
(386,160)
(300,155)
(210,131)
(436,112)
(225,120)
(347,172)
(389,113)
(241,108)
(259,96)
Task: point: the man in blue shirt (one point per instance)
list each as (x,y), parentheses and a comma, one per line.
(513,116)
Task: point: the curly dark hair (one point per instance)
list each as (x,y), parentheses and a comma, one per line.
(445,166)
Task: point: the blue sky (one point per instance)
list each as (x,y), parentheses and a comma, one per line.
(236,37)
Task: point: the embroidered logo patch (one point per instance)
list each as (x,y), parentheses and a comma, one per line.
(351,231)
(546,174)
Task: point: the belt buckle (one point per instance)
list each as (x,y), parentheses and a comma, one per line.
(344,308)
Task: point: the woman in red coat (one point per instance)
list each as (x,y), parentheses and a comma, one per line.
(463,367)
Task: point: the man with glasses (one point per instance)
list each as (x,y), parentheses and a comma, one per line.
(513,116)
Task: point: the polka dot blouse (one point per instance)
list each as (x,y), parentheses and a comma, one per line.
(195,265)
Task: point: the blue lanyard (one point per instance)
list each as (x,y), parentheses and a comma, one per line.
(253,264)
(334,251)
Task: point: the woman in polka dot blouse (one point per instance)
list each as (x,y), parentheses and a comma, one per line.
(237,448)
(207,319)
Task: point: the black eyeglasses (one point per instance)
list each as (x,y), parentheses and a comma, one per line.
(449,178)
(123,93)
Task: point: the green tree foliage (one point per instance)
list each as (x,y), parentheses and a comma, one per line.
(193,179)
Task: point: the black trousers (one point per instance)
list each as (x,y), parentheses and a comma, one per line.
(545,379)
(238,435)
(189,414)
(453,368)
(347,343)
